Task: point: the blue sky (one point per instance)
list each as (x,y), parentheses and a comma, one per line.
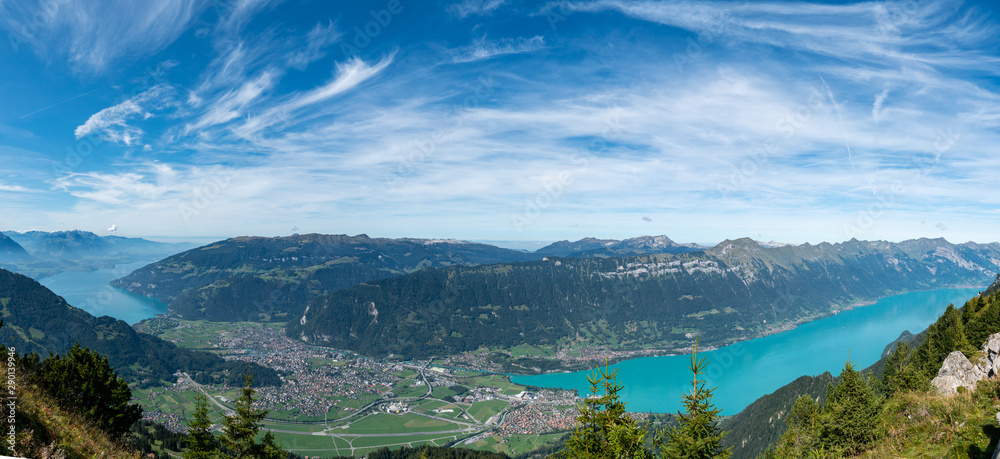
(502,119)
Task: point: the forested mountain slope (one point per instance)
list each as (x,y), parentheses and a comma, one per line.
(260,278)
(736,290)
(37,320)
(764,421)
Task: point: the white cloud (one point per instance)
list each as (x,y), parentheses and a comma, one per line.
(349,74)
(233,103)
(93,35)
(14,188)
(475,7)
(877,111)
(112,122)
(316,41)
(484,49)
(235,14)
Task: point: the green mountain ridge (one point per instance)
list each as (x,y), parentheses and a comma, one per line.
(763,422)
(37,320)
(262,278)
(736,290)
(278,276)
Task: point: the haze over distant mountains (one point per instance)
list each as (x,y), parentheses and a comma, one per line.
(383,296)
(38,320)
(44,253)
(260,278)
(11,251)
(588,247)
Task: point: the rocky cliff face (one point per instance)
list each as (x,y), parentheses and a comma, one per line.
(958,371)
(995,287)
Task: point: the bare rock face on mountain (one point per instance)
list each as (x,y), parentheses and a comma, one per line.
(991,351)
(957,371)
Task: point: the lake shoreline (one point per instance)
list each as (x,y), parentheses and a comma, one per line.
(615,356)
(749,369)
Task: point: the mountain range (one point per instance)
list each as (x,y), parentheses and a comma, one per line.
(733,291)
(45,253)
(37,320)
(83,244)
(261,278)
(592,247)
(11,251)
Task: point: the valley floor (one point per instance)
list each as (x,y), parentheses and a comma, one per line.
(338,403)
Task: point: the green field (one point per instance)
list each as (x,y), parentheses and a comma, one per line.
(525,350)
(519,444)
(482,411)
(382,423)
(499,381)
(351,436)
(200,334)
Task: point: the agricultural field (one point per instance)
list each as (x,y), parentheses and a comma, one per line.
(333,402)
(483,411)
(490,380)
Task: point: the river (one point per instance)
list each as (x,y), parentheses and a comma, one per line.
(745,371)
(91,292)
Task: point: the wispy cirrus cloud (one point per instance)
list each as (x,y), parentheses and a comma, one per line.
(467,8)
(484,48)
(92,35)
(113,123)
(596,121)
(348,75)
(14,188)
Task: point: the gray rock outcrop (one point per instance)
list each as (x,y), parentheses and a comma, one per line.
(957,371)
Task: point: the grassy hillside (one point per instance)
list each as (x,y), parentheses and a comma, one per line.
(895,413)
(44,430)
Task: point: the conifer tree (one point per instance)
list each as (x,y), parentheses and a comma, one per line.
(803,429)
(943,337)
(850,418)
(697,436)
(200,440)
(900,373)
(239,430)
(604,429)
(83,381)
(985,322)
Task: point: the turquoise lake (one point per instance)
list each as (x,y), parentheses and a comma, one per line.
(91,292)
(745,371)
